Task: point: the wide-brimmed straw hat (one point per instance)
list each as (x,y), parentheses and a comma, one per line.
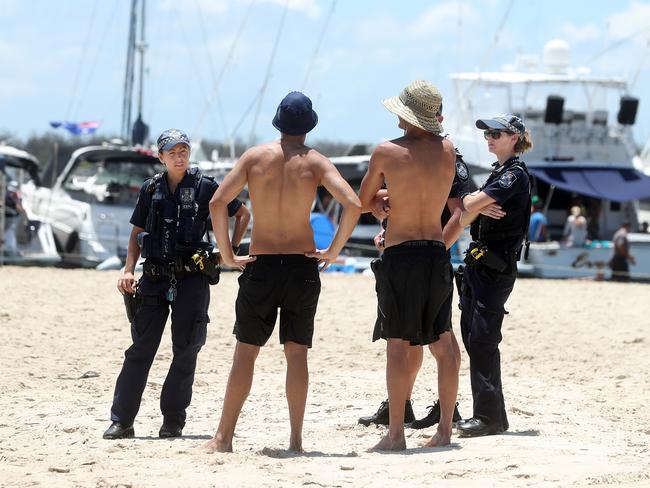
(418,104)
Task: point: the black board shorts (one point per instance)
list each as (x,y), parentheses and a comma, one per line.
(289,282)
(414,292)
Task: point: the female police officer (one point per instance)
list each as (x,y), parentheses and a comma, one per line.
(169,222)
(492,267)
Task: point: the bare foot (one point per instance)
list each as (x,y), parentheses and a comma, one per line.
(389,444)
(439,439)
(218,444)
(296,447)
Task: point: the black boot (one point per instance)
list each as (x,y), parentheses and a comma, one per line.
(476,428)
(381,416)
(433,417)
(119,431)
(170,429)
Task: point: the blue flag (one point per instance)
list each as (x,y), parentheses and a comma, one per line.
(77,128)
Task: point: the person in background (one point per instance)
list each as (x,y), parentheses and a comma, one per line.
(620,262)
(575,228)
(537,230)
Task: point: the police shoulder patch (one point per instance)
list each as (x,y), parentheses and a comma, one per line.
(461,170)
(507,179)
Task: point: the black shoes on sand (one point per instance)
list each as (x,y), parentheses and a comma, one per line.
(476,428)
(119,431)
(433,417)
(380,417)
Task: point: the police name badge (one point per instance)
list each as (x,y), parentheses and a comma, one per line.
(461,170)
(507,179)
(187,197)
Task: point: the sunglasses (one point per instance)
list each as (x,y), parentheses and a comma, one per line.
(495,134)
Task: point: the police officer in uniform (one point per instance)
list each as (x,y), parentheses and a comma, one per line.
(169,222)
(491,268)
(461,185)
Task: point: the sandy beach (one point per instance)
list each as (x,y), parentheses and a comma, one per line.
(575,367)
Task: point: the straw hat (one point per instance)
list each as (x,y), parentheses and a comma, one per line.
(418,104)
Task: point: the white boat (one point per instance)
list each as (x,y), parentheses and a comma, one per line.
(582,154)
(24,237)
(89,204)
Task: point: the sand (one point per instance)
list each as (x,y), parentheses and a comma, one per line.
(575,363)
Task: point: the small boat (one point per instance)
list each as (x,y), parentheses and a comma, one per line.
(24,237)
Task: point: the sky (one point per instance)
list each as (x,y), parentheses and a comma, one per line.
(65,60)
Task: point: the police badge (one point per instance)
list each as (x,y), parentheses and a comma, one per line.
(187,198)
(461,170)
(507,179)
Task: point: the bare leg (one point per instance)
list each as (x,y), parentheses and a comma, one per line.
(415,363)
(454,345)
(238,388)
(443,351)
(397,382)
(297,384)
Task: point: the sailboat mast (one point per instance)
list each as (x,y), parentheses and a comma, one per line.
(142,47)
(128,76)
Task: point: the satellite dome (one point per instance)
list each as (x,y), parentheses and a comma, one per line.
(557,56)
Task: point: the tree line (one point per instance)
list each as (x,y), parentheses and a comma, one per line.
(48,145)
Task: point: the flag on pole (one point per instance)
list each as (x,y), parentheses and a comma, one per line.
(77,128)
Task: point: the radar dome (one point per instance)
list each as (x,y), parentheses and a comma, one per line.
(557,56)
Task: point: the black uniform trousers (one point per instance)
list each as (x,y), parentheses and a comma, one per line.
(189,328)
(484,293)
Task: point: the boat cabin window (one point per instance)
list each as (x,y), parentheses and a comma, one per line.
(110,181)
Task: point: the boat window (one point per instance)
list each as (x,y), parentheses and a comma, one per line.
(111,181)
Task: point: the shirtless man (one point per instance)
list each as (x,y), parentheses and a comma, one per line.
(414,276)
(282,269)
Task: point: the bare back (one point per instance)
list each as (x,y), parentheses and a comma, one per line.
(418,173)
(282,183)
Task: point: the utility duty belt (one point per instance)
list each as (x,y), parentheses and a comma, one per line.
(478,254)
(201,261)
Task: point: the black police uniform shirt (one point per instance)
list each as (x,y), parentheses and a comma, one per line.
(509,186)
(208,187)
(459,187)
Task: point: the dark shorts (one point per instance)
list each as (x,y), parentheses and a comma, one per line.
(414,292)
(290,282)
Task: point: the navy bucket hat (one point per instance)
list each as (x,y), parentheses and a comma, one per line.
(508,122)
(295,115)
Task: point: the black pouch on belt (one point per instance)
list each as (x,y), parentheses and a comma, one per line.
(480,254)
(206,263)
(131,306)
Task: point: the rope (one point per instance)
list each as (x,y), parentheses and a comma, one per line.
(318,44)
(226,64)
(102,42)
(267,76)
(84,49)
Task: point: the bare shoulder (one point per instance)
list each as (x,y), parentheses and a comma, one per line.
(386,151)
(449,149)
(258,152)
(318,159)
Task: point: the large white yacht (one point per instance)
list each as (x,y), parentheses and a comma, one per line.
(583,154)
